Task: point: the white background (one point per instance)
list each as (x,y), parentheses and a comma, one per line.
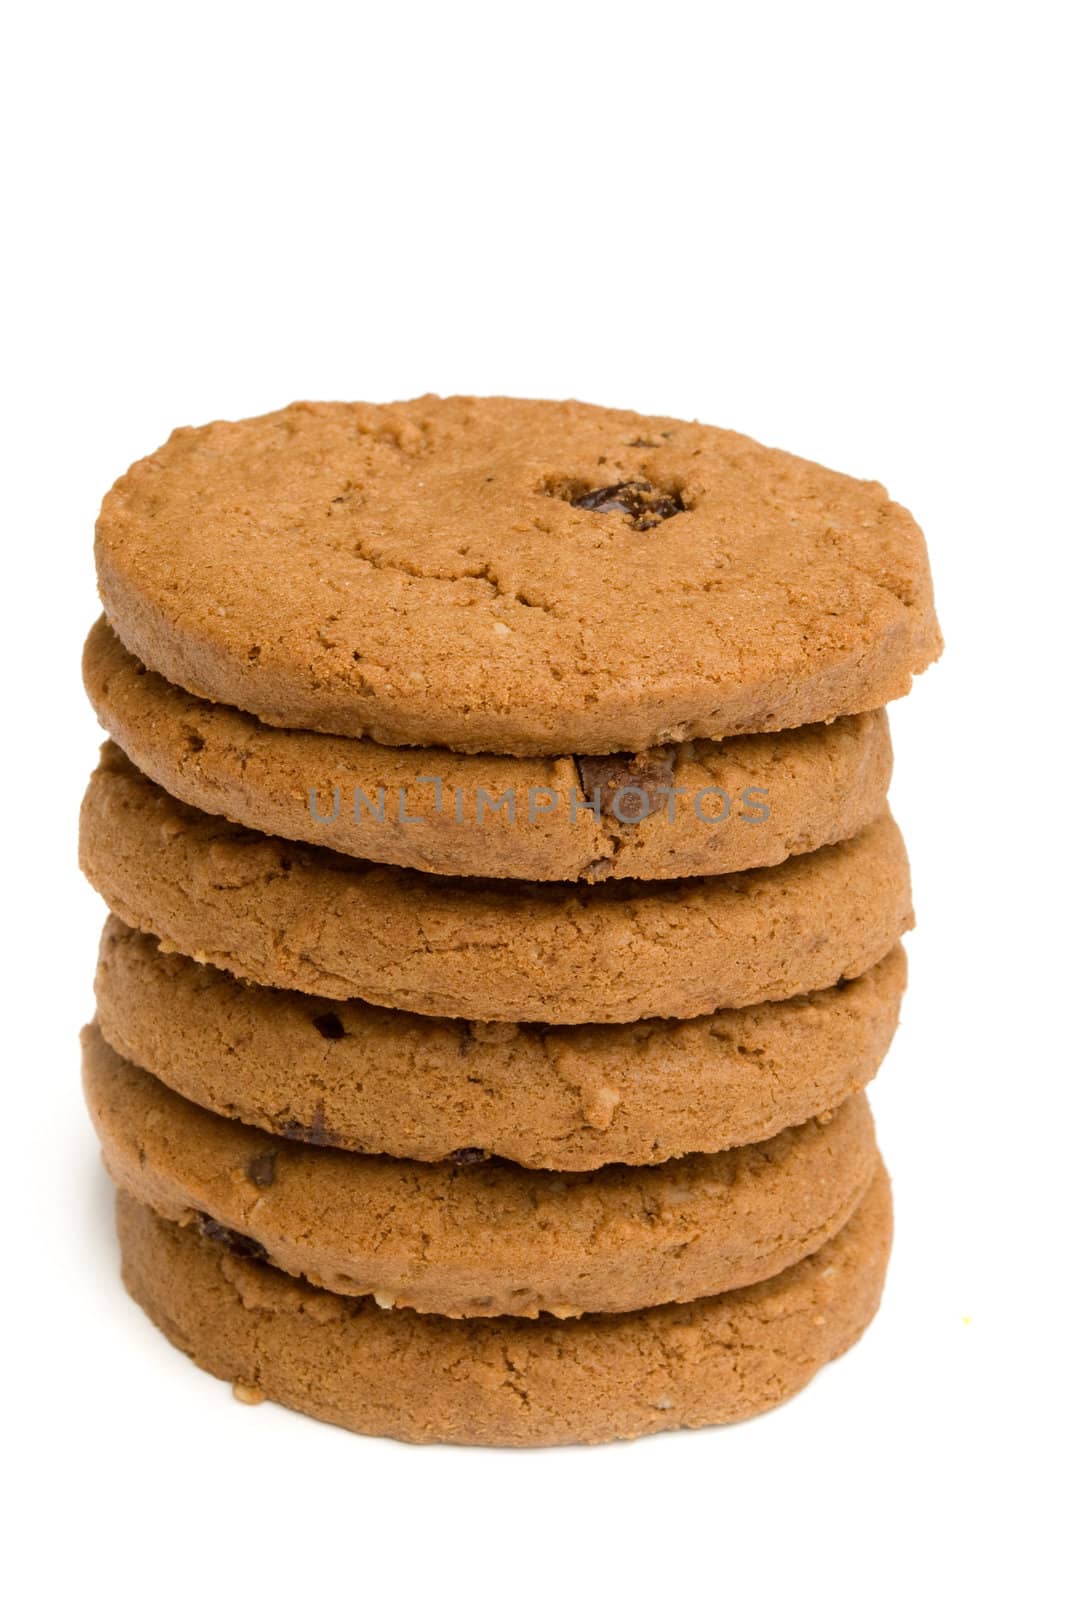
(834,227)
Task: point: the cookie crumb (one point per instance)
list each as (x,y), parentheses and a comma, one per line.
(248,1393)
(598,1106)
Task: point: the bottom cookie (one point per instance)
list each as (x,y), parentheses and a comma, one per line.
(506,1381)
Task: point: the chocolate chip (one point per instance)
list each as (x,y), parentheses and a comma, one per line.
(329,1025)
(635,778)
(468,1156)
(638,500)
(239,1244)
(314,1132)
(261,1170)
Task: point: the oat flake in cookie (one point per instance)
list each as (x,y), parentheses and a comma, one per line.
(529,577)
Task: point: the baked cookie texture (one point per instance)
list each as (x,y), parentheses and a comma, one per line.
(365,1078)
(483,1238)
(292,916)
(505,910)
(505,1380)
(677,811)
(528,577)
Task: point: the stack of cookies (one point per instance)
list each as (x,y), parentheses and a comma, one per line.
(505,910)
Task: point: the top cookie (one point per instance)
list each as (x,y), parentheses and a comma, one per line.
(522,576)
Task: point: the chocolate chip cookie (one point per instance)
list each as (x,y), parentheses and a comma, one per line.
(524,576)
(364,1078)
(471,1237)
(292,916)
(504,1380)
(678,811)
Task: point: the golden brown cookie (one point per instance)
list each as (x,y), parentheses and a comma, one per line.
(678,811)
(502,1380)
(295,917)
(482,1238)
(363,1078)
(531,577)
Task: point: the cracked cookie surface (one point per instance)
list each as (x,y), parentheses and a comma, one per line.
(503,1380)
(528,577)
(364,1078)
(482,1238)
(294,917)
(680,811)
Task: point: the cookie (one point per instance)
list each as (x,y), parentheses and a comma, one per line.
(529,577)
(502,1380)
(678,811)
(482,1238)
(363,1078)
(295,917)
